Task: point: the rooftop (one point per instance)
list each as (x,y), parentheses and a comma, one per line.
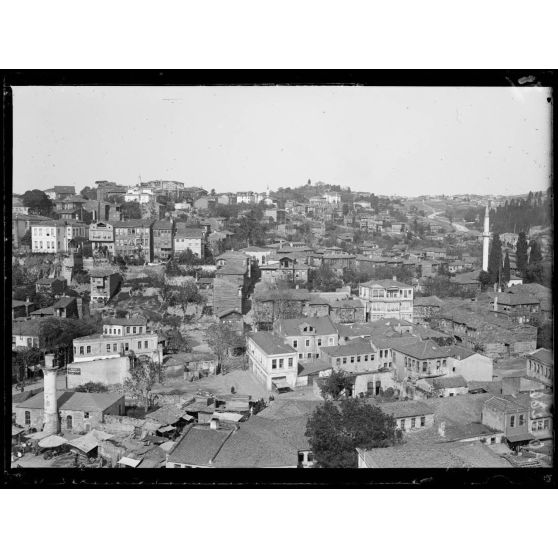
(270,344)
(199,445)
(542,355)
(295,326)
(386,284)
(402,409)
(75,401)
(350,349)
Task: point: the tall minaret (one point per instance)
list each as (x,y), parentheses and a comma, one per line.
(485,239)
(52,422)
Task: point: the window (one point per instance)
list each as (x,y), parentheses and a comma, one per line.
(108,347)
(307,342)
(114,347)
(365,358)
(88,349)
(139,344)
(422,421)
(444,362)
(338,361)
(295,344)
(344,360)
(512,421)
(281,362)
(290,362)
(145,344)
(352,360)
(27,418)
(309,355)
(402,424)
(274,364)
(413,422)
(81,350)
(545,424)
(128,329)
(424,365)
(371,357)
(493,440)
(331,340)
(85,414)
(300,355)
(126,346)
(319,342)
(521,420)
(29,341)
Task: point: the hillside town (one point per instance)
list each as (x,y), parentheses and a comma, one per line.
(161,325)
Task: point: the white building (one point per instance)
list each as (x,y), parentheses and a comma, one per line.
(272,361)
(387,299)
(249,197)
(332,197)
(139,194)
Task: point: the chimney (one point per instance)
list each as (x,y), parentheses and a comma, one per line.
(214,424)
(442,429)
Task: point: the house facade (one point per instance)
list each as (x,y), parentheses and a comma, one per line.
(387,299)
(104,285)
(189,239)
(271,360)
(134,238)
(101,235)
(163,239)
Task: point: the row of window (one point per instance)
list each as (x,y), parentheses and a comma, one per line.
(357,357)
(403,422)
(118,330)
(331,341)
(281,363)
(86,349)
(519,422)
(539,369)
(308,355)
(540,425)
(31,341)
(49,245)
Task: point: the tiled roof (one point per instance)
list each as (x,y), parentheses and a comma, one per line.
(386,284)
(271,344)
(402,409)
(350,349)
(441,455)
(199,445)
(506,403)
(136,321)
(29,328)
(132,223)
(446,382)
(421,349)
(293,327)
(64,301)
(189,233)
(75,401)
(542,355)
(162,224)
(427,301)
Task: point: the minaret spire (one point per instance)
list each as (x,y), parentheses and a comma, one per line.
(486,238)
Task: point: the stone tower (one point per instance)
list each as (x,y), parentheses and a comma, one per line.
(485,239)
(52,421)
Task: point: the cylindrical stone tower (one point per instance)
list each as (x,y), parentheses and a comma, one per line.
(485,239)
(52,421)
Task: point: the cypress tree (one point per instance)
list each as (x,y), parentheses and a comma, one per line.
(506,272)
(521,254)
(495,259)
(535,255)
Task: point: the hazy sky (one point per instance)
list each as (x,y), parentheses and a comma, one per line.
(398,141)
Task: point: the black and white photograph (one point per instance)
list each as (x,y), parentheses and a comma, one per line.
(281,276)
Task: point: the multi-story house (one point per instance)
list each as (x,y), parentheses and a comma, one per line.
(287,269)
(522,308)
(134,238)
(120,335)
(101,235)
(249,197)
(60,192)
(141,194)
(272,361)
(104,285)
(25,334)
(387,299)
(510,415)
(71,208)
(54,237)
(540,367)
(307,335)
(163,239)
(22,223)
(186,238)
(17,206)
(424,307)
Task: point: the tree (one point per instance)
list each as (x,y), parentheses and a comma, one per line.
(26,357)
(335,385)
(183,295)
(485,280)
(535,255)
(521,254)
(222,339)
(506,274)
(92,387)
(38,202)
(495,259)
(144,374)
(131,210)
(26,238)
(176,342)
(188,258)
(325,279)
(335,432)
(88,193)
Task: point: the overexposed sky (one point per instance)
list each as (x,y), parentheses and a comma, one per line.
(387,140)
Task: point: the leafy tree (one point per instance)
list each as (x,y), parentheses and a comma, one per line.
(222,340)
(535,255)
(172,269)
(495,259)
(506,274)
(88,193)
(38,202)
(131,210)
(176,341)
(144,374)
(26,357)
(485,280)
(325,279)
(81,277)
(92,387)
(183,295)
(335,385)
(188,258)
(521,254)
(26,239)
(121,313)
(337,430)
